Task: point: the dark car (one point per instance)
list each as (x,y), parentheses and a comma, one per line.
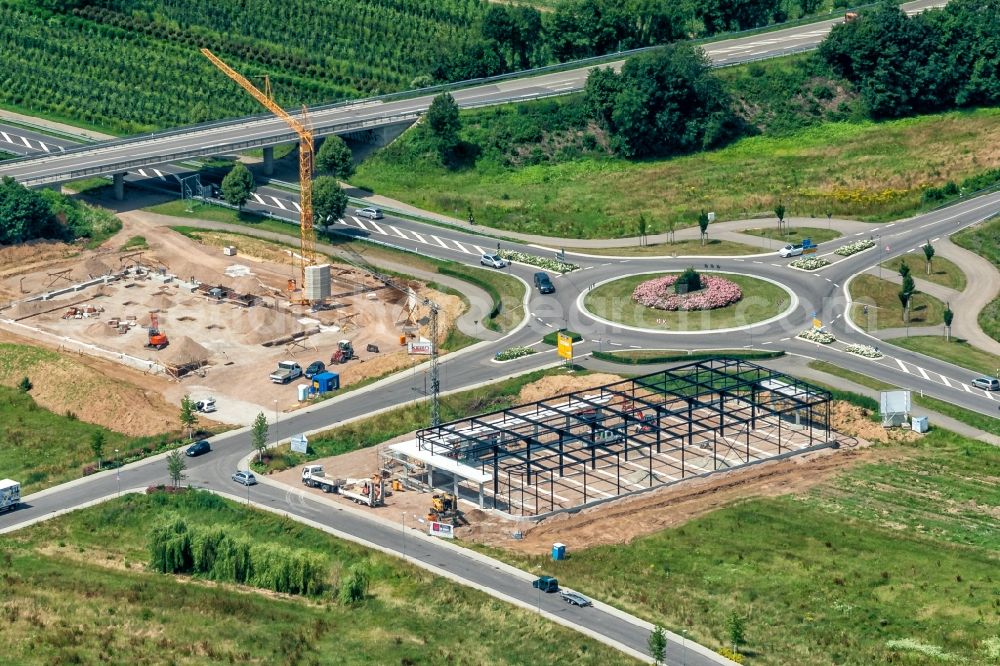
(544,283)
(546,584)
(199,448)
(315,368)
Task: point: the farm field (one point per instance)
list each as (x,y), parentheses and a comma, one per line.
(313,52)
(88,569)
(890,561)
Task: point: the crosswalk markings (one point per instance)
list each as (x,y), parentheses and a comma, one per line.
(479,249)
(277,202)
(460,246)
(298,208)
(922,373)
(378,229)
(398,232)
(360,224)
(947,383)
(967,389)
(419,237)
(255,196)
(24,140)
(902,367)
(439,241)
(6,137)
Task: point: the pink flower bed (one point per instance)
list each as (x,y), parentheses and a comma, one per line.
(716,292)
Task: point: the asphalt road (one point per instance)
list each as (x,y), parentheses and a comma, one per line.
(241,134)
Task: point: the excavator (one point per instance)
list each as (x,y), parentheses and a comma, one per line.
(156,339)
(444,506)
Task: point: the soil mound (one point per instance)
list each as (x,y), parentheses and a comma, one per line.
(160,301)
(549,387)
(100,329)
(185,351)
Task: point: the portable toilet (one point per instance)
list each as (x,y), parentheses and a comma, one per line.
(326,381)
(303,392)
(558,551)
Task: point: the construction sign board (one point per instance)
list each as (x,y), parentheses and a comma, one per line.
(421,347)
(564,345)
(443,530)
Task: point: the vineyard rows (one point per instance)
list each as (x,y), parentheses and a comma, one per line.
(97,63)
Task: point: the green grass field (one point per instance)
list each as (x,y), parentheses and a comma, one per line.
(712,247)
(613,301)
(884,308)
(904,550)
(600,197)
(983,239)
(790,234)
(989,319)
(943,272)
(77,590)
(959,352)
(652,356)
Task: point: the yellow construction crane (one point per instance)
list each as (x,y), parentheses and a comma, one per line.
(307,236)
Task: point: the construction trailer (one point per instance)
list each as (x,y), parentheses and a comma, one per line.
(587,447)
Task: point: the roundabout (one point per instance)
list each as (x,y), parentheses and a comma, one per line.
(723,301)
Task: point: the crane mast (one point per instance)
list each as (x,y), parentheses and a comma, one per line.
(307,235)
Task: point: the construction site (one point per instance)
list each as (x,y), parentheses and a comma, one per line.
(216,321)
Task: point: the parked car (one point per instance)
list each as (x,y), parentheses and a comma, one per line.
(198,448)
(544,283)
(546,584)
(245,478)
(493,261)
(315,368)
(987,383)
(370,213)
(790,251)
(575,598)
(206,406)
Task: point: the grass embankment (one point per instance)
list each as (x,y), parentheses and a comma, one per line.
(582,192)
(6,156)
(613,301)
(712,247)
(883,563)
(943,272)
(789,234)
(967,416)
(553,337)
(959,352)
(407,418)
(90,186)
(81,593)
(984,240)
(884,308)
(135,243)
(652,356)
(506,292)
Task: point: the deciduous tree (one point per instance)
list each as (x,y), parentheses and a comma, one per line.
(334,158)
(238,185)
(176,466)
(329,199)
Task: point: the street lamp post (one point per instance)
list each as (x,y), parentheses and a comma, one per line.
(276,423)
(404,535)
(118,473)
(879,240)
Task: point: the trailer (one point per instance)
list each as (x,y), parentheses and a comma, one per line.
(369,492)
(313,476)
(10,495)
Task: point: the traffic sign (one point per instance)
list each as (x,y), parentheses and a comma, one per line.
(564,346)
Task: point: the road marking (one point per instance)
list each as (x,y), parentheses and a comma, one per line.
(836,285)
(778,265)
(891,224)
(159,174)
(769,342)
(901,366)
(615,344)
(828,280)
(860,233)
(419,237)
(360,223)
(634,347)
(277,202)
(479,249)
(440,242)
(378,229)
(297,206)
(24,140)
(758,262)
(967,389)
(739,260)
(142,173)
(935,240)
(785,339)
(255,196)
(44,147)
(398,232)
(6,137)
(922,373)
(947,383)
(461,247)
(547,324)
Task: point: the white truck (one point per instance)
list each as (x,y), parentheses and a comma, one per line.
(286,372)
(10,495)
(361,491)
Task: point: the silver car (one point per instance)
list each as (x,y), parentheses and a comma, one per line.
(986,383)
(245,478)
(370,213)
(493,261)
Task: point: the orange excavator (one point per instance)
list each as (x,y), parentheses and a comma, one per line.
(156,340)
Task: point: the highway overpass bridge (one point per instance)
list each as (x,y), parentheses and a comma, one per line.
(371,115)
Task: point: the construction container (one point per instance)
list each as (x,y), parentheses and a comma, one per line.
(326,381)
(919,424)
(558,551)
(229,251)
(317,282)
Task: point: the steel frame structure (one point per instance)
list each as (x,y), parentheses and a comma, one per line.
(587,446)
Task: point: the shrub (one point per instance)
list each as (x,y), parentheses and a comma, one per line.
(354,587)
(809,263)
(855,247)
(513,352)
(732,656)
(548,264)
(688,281)
(821,337)
(863,350)
(25,385)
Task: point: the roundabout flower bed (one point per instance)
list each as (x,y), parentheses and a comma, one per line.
(716,292)
(863,350)
(613,301)
(809,263)
(821,337)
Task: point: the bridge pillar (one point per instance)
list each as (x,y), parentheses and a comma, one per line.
(119,186)
(269,161)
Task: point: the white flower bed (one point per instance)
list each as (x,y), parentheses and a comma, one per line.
(854,248)
(553,265)
(512,353)
(822,337)
(863,350)
(809,263)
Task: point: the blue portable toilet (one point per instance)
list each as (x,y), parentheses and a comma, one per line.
(326,381)
(558,551)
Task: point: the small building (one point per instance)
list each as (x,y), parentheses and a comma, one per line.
(325,382)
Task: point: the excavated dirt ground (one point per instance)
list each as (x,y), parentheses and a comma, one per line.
(228,336)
